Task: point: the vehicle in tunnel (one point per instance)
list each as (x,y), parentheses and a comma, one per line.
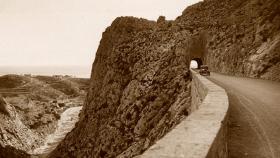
(204,71)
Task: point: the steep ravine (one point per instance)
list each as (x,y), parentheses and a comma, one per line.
(21,145)
(140,81)
(65,124)
(30,107)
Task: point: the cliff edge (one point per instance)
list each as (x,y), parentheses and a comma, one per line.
(140,80)
(139,88)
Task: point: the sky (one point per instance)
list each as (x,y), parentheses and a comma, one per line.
(67,32)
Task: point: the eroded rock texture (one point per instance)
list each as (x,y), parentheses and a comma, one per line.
(243,36)
(139,91)
(15,136)
(140,83)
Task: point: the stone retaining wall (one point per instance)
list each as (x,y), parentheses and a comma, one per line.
(203,134)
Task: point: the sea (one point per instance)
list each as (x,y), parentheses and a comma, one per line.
(74,71)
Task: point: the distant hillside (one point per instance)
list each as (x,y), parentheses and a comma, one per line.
(12,81)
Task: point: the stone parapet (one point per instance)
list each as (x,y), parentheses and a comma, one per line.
(203,134)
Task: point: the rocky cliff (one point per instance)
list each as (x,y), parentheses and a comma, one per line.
(140,81)
(243,37)
(139,90)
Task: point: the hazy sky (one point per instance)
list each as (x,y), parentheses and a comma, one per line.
(67,32)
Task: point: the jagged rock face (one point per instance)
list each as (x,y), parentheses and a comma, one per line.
(243,36)
(140,84)
(139,91)
(15,136)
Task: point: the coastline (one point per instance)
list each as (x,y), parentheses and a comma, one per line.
(73,71)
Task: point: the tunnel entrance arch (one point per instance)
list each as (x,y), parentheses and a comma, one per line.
(196,63)
(196,47)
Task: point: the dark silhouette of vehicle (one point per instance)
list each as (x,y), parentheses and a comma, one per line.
(204,70)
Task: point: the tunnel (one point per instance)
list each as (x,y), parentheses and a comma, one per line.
(196,48)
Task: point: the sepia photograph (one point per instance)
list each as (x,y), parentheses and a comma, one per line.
(139,79)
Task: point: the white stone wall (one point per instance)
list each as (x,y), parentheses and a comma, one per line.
(203,134)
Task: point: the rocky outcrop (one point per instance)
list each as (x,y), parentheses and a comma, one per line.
(139,88)
(242,36)
(140,79)
(15,136)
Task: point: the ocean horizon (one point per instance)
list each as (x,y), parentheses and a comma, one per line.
(75,71)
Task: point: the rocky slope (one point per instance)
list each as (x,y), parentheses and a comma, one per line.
(242,36)
(140,81)
(139,90)
(12,131)
(30,108)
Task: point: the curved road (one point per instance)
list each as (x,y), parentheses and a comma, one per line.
(254,118)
